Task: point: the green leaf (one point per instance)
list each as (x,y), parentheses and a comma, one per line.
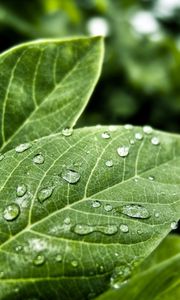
(45,85)
(74,214)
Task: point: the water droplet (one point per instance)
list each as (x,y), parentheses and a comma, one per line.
(108,230)
(38,159)
(67,221)
(45,193)
(23,147)
(105,135)
(98,126)
(67,131)
(128,126)
(135,211)
(151,178)
(124,228)
(120,275)
(174,225)
(109,163)
(155,140)
(138,136)
(147,129)
(18,248)
(70,176)
(1,156)
(96,204)
(39,260)
(132,142)
(21,190)
(74,263)
(136,179)
(123,151)
(83,229)
(108,207)
(139,231)
(156,215)
(58,258)
(11,212)
(112,128)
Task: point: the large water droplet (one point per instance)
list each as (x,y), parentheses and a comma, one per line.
(23,147)
(11,212)
(147,129)
(108,230)
(135,211)
(67,131)
(128,126)
(108,207)
(1,156)
(38,159)
(70,176)
(155,140)
(96,204)
(109,163)
(123,151)
(124,228)
(105,135)
(174,225)
(39,260)
(21,190)
(45,193)
(83,229)
(138,136)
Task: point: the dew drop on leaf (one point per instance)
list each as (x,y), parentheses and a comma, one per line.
(132,142)
(11,212)
(128,126)
(105,135)
(45,193)
(156,215)
(58,258)
(39,260)
(23,147)
(151,178)
(108,207)
(38,159)
(70,176)
(1,156)
(124,228)
(109,163)
(108,230)
(123,151)
(74,263)
(67,221)
(138,136)
(112,128)
(67,131)
(18,248)
(174,225)
(96,204)
(21,190)
(147,129)
(155,140)
(135,211)
(83,229)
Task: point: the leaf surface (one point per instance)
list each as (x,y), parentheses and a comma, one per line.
(86,214)
(45,85)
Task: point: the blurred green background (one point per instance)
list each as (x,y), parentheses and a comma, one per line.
(140,82)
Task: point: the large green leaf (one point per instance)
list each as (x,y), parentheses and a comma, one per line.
(74,214)
(45,85)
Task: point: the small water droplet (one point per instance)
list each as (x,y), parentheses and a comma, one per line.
(105,135)
(96,204)
(174,225)
(155,140)
(67,221)
(147,129)
(58,258)
(128,126)
(45,193)
(124,228)
(21,190)
(22,147)
(18,248)
(109,163)
(67,131)
(132,142)
(74,263)
(120,275)
(135,211)
(156,215)
(70,176)
(38,159)
(151,178)
(39,260)
(138,136)
(123,151)
(11,212)
(136,179)
(1,156)
(108,207)
(112,128)
(139,231)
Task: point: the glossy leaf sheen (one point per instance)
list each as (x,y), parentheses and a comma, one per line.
(45,85)
(46,230)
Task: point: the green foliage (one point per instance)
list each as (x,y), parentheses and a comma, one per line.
(80,209)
